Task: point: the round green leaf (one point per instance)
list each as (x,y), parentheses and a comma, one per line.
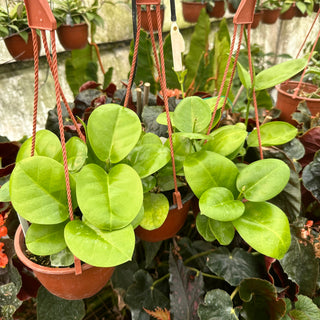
(206,169)
(273,134)
(109,201)
(226,140)
(113,132)
(263,179)
(47,145)
(38,190)
(97,247)
(265,228)
(192,115)
(162,118)
(204,228)
(44,240)
(219,204)
(156,208)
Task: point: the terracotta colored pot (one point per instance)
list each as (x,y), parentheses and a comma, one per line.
(73,37)
(63,282)
(256,19)
(288,105)
(299,14)
(231,8)
(289,14)
(19,49)
(191,10)
(316,7)
(144,19)
(173,223)
(218,10)
(270,16)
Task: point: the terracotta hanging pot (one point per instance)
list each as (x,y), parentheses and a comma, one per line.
(299,14)
(256,19)
(218,10)
(191,10)
(231,8)
(63,282)
(73,37)
(19,49)
(144,19)
(289,14)
(270,16)
(288,105)
(173,223)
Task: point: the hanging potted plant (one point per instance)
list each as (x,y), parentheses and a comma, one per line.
(303,8)
(16,33)
(233,5)
(191,10)
(73,19)
(144,19)
(288,10)
(271,11)
(216,8)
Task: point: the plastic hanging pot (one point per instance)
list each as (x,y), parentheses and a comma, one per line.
(63,282)
(288,105)
(19,49)
(289,14)
(173,223)
(218,10)
(144,19)
(191,10)
(270,16)
(73,37)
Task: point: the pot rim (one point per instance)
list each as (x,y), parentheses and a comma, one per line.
(186,198)
(73,26)
(278,87)
(17,34)
(36,267)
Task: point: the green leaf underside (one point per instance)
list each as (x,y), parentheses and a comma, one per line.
(265,228)
(109,201)
(219,204)
(97,247)
(156,208)
(38,190)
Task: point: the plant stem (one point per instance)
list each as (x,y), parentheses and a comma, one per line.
(205,274)
(235,291)
(198,256)
(159,280)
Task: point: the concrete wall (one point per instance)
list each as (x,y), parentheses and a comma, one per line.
(16,78)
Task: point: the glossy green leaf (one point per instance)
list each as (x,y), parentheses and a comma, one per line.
(113,132)
(63,258)
(310,176)
(206,169)
(307,309)
(273,134)
(204,227)
(148,183)
(4,192)
(244,76)
(226,140)
(77,153)
(212,103)
(263,179)
(218,203)
(156,208)
(217,305)
(265,228)
(136,221)
(162,118)
(97,247)
(44,240)
(109,201)
(278,73)
(192,115)
(38,190)
(47,145)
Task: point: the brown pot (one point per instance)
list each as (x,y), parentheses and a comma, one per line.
(299,14)
(63,282)
(19,49)
(288,105)
(144,19)
(191,10)
(316,7)
(218,10)
(289,14)
(256,19)
(73,37)
(270,16)
(173,223)
(231,8)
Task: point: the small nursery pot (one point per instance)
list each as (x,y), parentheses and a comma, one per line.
(191,10)
(270,16)
(73,37)
(288,105)
(144,19)
(63,282)
(19,49)
(218,10)
(289,14)
(173,223)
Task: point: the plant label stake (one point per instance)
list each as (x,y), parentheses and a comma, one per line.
(40,17)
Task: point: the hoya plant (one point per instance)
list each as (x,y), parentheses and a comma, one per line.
(106,176)
(233,195)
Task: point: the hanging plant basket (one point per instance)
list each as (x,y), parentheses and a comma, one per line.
(144,19)
(256,19)
(299,14)
(191,10)
(289,14)
(288,105)
(270,16)
(19,49)
(63,282)
(173,223)
(73,37)
(218,10)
